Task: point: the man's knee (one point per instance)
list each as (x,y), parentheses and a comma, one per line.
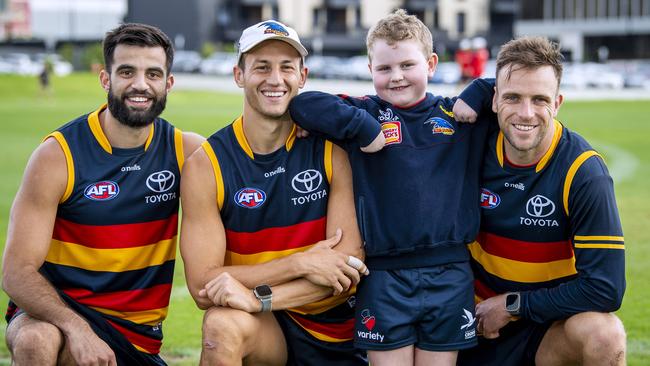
(226,330)
(601,335)
(27,336)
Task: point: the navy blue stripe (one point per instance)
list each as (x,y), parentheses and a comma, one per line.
(101,281)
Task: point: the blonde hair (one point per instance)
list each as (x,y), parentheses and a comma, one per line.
(399,26)
(530,53)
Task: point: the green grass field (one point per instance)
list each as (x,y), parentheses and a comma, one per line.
(619,130)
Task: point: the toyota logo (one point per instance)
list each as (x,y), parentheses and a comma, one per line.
(540,206)
(161,181)
(307,181)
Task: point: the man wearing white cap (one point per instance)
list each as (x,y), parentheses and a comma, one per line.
(269,224)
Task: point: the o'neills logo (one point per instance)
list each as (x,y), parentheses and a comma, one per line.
(369,322)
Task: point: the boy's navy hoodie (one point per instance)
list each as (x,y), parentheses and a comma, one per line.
(417,198)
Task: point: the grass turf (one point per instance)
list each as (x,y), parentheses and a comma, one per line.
(619,130)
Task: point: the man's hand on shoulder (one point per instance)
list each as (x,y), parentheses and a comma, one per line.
(376,144)
(225,290)
(463,112)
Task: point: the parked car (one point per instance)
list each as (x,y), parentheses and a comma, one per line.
(326,67)
(219,63)
(186,61)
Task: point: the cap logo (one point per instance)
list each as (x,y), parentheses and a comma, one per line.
(275,28)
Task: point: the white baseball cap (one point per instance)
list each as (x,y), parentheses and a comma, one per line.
(266,30)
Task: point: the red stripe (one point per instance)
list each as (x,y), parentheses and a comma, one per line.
(277,238)
(483,291)
(115,236)
(154,297)
(344,330)
(525,251)
(149,344)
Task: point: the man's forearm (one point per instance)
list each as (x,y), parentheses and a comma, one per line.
(36,297)
(297,293)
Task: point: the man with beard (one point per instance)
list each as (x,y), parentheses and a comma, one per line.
(91,245)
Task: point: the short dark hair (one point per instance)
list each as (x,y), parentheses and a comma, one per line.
(530,53)
(137,34)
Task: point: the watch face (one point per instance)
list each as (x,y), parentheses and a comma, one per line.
(263,290)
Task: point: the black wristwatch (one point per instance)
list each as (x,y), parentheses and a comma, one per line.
(513,303)
(265,295)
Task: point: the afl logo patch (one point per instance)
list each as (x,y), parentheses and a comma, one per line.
(392,132)
(102,191)
(489,199)
(250,197)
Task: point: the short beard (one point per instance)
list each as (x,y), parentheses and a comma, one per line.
(134,118)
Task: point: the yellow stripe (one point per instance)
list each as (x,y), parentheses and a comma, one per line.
(549,153)
(500,148)
(571,174)
(140,348)
(111,260)
(600,246)
(517,271)
(217,172)
(150,137)
(328,161)
(238,127)
(450,114)
(599,238)
(147,317)
(96,128)
(68,162)
(235,259)
(178,145)
(318,335)
(291,139)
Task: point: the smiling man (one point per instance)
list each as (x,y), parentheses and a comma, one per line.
(91,245)
(549,259)
(258,205)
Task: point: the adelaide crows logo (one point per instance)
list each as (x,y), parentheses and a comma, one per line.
(275,28)
(441,126)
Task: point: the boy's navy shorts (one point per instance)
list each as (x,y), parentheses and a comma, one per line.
(516,345)
(431,308)
(305,350)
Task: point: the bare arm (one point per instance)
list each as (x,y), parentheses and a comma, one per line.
(191,142)
(28,241)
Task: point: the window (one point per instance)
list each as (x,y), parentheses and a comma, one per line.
(460,26)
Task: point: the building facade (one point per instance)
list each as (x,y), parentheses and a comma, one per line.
(620,28)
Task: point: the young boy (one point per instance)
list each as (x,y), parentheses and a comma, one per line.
(416,200)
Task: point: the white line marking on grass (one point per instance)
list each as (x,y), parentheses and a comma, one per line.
(621,163)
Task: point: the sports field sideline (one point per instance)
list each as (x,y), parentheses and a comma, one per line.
(618,129)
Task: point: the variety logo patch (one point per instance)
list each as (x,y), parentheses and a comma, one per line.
(102,191)
(369,322)
(250,197)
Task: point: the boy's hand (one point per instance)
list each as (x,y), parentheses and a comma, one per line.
(301,133)
(463,112)
(378,143)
